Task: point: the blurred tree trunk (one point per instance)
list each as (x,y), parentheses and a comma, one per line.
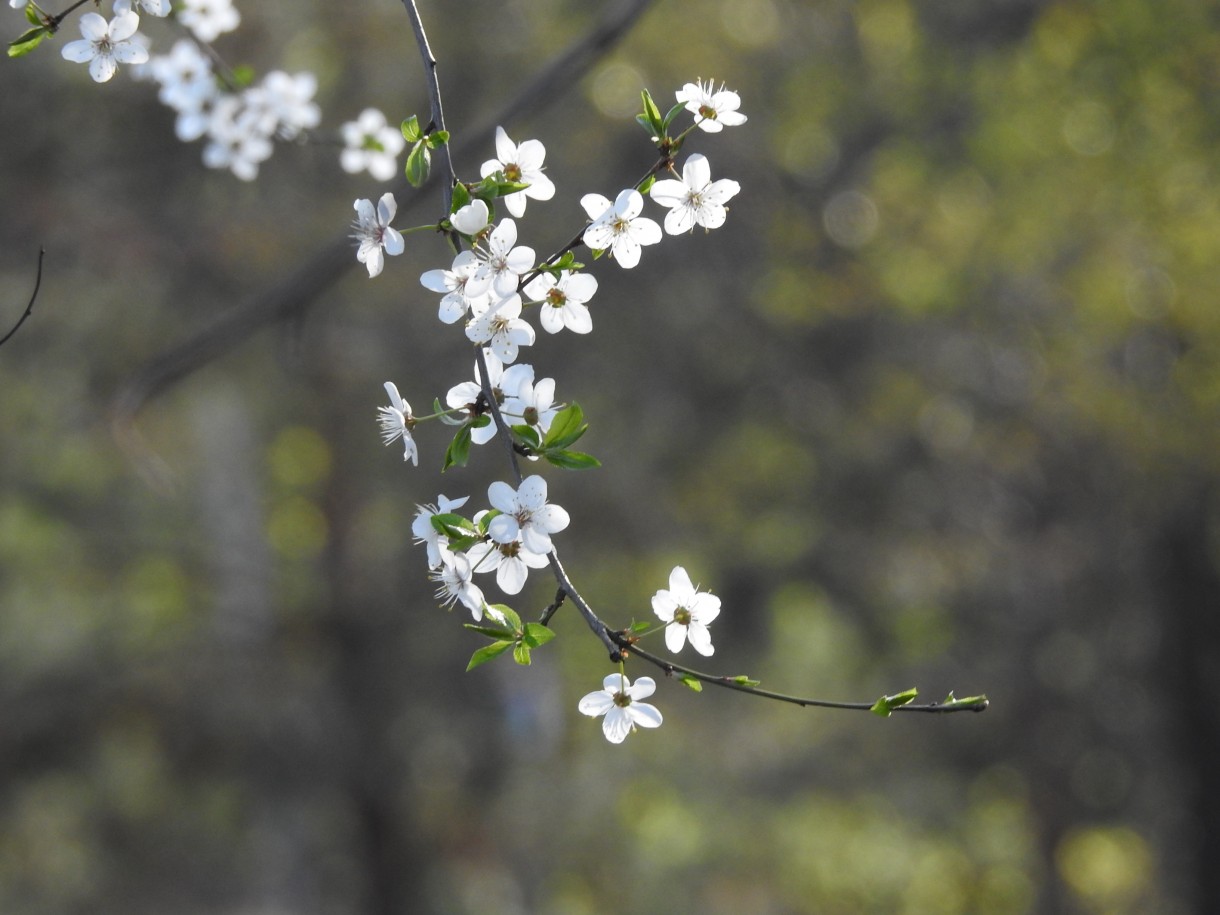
(1190,584)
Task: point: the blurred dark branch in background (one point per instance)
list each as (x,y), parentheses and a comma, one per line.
(29,308)
(325,266)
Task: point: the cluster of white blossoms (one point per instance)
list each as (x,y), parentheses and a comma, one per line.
(490,288)
(237,123)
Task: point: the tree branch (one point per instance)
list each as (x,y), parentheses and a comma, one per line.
(29,308)
(627,645)
(319,272)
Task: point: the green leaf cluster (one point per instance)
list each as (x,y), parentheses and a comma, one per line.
(28,40)
(513,635)
(419,159)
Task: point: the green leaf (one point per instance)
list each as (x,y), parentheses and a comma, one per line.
(537,634)
(419,163)
(461,196)
(444,414)
(410,130)
(652,114)
(641,626)
(452,525)
(458,451)
(690,681)
(978,703)
(671,114)
(571,460)
(521,654)
(492,632)
(510,615)
(567,426)
(28,41)
(32,14)
(886,704)
(743,680)
(566,262)
(487,652)
(528,435)
(437,139)
(642,120)
(244,75)
(647,184)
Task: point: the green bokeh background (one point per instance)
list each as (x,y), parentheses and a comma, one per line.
(938,406)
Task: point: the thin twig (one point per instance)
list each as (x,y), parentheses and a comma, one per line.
(434,98)
(628,646)
(29,308)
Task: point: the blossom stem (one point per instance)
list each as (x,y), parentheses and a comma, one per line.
(627,645)
(54,21)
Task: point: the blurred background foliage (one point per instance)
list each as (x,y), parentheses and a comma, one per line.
(937,406)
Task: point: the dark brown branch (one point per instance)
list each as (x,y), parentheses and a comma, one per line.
(29,308)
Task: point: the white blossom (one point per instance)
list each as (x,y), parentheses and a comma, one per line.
(521,163)
(713,110)
(532,404)
(472,218)
(288,102)
(374,233)
(236,139)
(503,383)
(209,19)
(396,421)
(505,261)
(510,561)
(158,8)
(619,226)
(460,284)
(563,300)
(425,533)
(696,199)
(372,145)
(455,584)
(619,701)
(105,45)
(525,513)
(686,612)
(502,328)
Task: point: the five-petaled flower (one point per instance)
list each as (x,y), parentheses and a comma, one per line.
(525,514)
(686,612)
(713,110)
(563,301)
(106,45)
(522,164)
(619,226)
(504,260)
(502,328)
(696,199)
(619,701)
(374,233)
(396,422)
